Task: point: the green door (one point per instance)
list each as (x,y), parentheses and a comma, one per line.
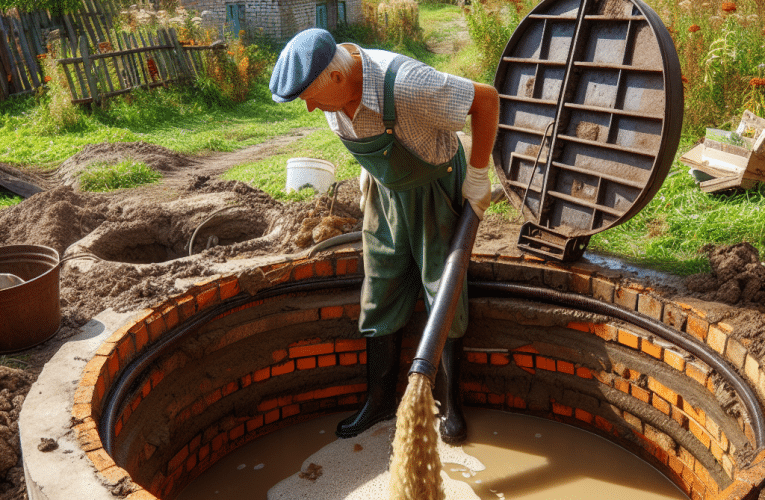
(321,16)
(235,19)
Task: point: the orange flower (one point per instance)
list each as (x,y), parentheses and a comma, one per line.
(728,7)
(757,82)
(684,79)
(153,71)
(694,28)
(42,56)
(47,79)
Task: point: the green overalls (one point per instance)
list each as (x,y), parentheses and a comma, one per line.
(410,216)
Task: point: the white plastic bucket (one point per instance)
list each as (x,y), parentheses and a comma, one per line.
(305,172)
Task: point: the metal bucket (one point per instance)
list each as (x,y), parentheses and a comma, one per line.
(30,313)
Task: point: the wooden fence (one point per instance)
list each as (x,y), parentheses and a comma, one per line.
(128,62)
(98,61)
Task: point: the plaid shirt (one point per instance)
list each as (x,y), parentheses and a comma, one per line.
(430,106)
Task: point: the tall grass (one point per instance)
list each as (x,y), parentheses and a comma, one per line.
(722,55)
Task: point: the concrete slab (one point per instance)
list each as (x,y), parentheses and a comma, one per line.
(46,414)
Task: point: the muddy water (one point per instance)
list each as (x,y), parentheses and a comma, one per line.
(525,458)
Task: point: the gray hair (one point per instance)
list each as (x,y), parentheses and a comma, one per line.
(342,62)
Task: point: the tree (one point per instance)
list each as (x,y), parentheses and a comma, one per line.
(54,6)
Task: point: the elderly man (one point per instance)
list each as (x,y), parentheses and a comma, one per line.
(399,118)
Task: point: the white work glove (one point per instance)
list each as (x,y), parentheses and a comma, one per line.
(365,180)
(477,189)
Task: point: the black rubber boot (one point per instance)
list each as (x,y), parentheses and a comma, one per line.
(382,374)
(447,391)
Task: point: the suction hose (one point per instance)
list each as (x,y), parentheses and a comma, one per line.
(442,313)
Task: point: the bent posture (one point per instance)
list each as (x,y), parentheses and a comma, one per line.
(399,118)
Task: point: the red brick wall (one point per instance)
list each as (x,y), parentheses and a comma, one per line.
(610,378)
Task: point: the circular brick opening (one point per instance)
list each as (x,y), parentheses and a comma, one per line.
(287,349)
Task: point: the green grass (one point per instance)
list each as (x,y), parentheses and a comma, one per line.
(18,361)
(668,233)
(671,230)
(9,199)
(270,174)
(179,119)
(102,177)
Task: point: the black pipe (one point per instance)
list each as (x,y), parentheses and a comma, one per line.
(445,303)
(115,399)
(680,339)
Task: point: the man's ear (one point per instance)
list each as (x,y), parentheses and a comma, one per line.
(336,76)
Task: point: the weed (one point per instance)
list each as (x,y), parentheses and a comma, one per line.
(19,361)
(9,199)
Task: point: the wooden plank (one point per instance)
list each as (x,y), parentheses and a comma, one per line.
(115,63)
(34,36)
(173,71)
(146,78)
(29,60)
(18,186)
(127,73)
(90,16)
(89,70)
(14,82)
(179,53)
(132,64)
(20,73)
(5,65)
(85,29)
(161,64)
(104,17)
(66,47)
(70,31)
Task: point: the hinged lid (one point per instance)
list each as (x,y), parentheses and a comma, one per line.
(598,83)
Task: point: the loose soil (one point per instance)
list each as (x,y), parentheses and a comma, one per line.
(140,234)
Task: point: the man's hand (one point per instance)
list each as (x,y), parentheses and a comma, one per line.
(477,189)
(364,182)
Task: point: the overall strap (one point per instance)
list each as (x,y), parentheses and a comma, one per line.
(389,108)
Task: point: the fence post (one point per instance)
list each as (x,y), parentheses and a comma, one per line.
(180,54)
(88,66)
(5,67)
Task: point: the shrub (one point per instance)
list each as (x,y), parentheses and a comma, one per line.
(394,20)
(236,69)
(490,24)
(61,113)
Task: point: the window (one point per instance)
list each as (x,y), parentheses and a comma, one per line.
(235,18)
(321,15)
(341,19)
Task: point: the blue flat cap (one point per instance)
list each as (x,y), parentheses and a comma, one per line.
(301,61)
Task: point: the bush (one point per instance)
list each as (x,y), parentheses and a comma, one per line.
(490,24)
(236,69)
(394,20)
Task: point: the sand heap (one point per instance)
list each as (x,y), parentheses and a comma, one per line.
(329,474)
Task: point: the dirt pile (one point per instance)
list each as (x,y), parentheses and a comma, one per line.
(14,385)
(737,277)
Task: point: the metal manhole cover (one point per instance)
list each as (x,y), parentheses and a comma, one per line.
(591,107)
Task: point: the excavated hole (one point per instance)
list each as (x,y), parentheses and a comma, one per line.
(164,237)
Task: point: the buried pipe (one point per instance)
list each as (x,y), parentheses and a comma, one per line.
(121,388)
(684,341)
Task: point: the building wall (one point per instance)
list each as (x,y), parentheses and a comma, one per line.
(278,19)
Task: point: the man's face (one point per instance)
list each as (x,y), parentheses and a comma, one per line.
(331,97)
